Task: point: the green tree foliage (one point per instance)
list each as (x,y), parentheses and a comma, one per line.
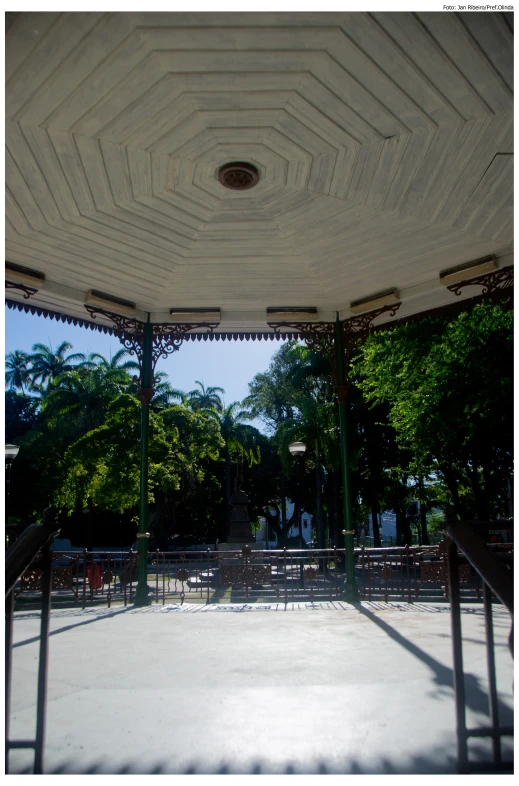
(21,412)
(448,384)
(205,398)
(241,444)
(47,364)
(103,467)
(18,374)
(430,418)
(294,399)
(271,393)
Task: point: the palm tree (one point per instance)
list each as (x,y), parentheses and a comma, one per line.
(205,398)
(84,393)
(46,364)
(241,442)
(165,394)
(95,359)
(17,371)
(314,424)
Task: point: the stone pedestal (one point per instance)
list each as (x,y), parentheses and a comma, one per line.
(240,530)
(226,557)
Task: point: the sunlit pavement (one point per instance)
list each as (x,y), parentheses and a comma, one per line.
(307,688)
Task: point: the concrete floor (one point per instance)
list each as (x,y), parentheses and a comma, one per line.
(328,688)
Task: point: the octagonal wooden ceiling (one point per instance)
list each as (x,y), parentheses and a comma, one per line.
(384,144)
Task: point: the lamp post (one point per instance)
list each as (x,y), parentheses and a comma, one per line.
(145,394)
(11,451)
(297,450)
(351,591)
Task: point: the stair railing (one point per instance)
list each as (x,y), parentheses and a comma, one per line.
(497,578)
(37,538)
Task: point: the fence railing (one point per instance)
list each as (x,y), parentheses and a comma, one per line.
(280,575)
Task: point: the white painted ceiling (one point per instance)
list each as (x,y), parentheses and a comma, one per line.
(384,143)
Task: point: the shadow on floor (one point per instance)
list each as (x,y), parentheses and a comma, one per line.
(476,696)
(88,621)
(434,761)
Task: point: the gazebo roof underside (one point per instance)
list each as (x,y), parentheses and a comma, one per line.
(384,144)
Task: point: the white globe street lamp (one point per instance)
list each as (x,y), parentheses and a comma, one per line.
(297,450)
(11,451)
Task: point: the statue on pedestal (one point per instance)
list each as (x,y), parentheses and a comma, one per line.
(240,530)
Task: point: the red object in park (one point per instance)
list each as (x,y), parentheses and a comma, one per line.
(94,576)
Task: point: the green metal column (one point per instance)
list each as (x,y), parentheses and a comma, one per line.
(142,594)
(351,591)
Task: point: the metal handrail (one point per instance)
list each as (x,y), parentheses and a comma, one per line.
(463,535)
(489,567)
(35,539)
(23,551)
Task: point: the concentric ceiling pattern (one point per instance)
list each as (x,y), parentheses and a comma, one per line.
(384,144)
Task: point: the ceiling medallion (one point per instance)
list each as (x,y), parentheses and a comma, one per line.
(238,176)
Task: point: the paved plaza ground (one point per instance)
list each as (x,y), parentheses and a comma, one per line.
(308,688)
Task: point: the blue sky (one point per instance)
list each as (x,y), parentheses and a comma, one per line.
(227,364)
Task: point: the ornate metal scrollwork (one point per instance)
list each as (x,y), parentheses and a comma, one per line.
(168,337)
(318,336)
(357,326)
(28,291)
(491,283)
(128,330)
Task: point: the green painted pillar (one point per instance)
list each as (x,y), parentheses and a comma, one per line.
(143,592)
(351,591)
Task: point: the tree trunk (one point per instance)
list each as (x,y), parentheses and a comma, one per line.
(476,488)
(318,499)
(283,498)
(486,494)
(403,529)
(423,515)
(452,485)
(374,523)
(338,537)
(227,493)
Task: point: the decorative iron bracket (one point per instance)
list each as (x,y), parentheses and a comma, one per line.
(128,330)
(358,326)
(28,291)
(492,283)
(167,337)
(320,336)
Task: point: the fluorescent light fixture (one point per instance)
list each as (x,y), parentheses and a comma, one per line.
(209,314)
(468,270)
(389,297)
(110,302)
(284,313)
(23,275)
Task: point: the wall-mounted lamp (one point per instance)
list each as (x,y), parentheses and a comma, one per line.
(212,314)
(468,270)
(23,275)
(283,313)
(110,302)
(389,297)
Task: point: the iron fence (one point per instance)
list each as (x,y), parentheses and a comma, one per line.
(247,575)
